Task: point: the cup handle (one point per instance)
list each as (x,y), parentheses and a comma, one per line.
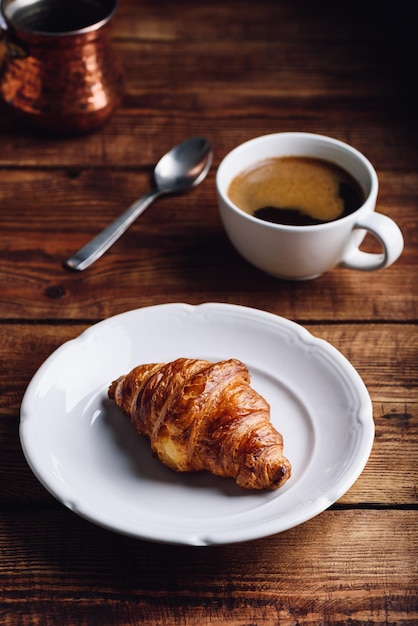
(389,236)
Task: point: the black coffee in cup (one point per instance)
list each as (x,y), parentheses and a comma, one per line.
(296,191)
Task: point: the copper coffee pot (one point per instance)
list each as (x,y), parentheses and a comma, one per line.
(57,68)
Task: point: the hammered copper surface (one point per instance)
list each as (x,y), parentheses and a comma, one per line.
(67,84)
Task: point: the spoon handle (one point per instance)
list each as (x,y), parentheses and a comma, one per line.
(95,248)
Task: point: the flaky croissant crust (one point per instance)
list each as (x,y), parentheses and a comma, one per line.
(200,415)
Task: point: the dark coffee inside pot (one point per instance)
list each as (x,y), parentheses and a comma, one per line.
(296,191)
(59,16)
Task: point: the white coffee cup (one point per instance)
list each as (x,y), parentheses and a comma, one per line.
(305,252)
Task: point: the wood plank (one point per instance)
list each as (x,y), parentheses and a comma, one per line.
(150,122)
(305,575)
(174,254)
(44,290)
(203,21)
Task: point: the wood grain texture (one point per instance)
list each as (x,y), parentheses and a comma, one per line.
(330,570)
(230,71)
(177,249)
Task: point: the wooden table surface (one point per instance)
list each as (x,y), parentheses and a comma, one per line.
(229,71)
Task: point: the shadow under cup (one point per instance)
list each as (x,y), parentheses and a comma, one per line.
(306,252)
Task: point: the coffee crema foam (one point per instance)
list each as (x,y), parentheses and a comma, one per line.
(296,190)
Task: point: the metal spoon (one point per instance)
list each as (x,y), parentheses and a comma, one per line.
(182,168)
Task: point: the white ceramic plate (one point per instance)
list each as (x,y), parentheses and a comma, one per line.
(86,453)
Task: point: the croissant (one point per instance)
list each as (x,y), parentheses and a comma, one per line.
(200,416)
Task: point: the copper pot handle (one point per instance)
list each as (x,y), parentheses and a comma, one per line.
(8,47)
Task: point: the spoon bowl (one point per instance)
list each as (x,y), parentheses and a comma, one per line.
(182,168)
(185,166)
